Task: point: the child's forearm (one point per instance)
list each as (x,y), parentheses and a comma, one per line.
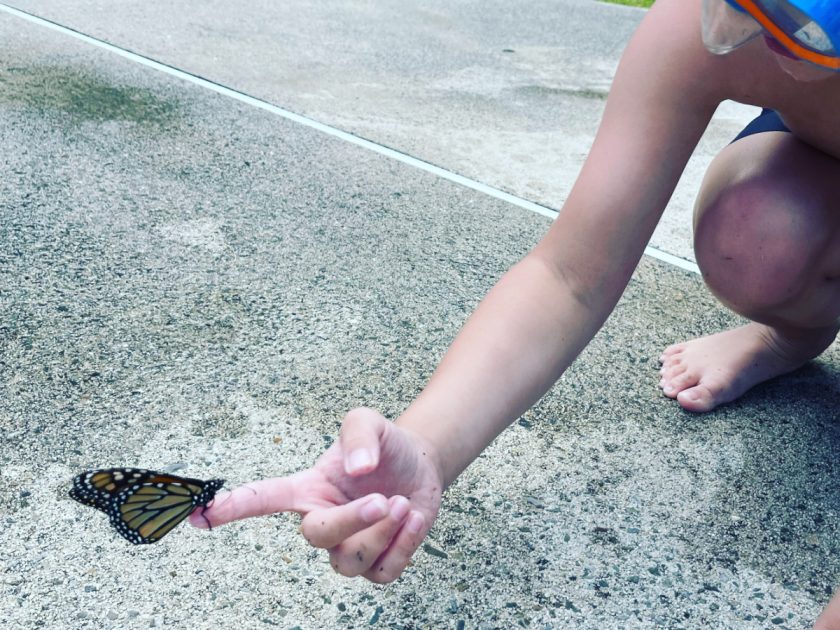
(522,337)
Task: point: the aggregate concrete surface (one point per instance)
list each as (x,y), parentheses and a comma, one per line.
(188,281)
(502,92)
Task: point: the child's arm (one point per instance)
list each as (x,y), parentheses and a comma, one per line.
(544,311)
(527,330)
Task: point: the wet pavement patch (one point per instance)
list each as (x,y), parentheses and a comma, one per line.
(83,95)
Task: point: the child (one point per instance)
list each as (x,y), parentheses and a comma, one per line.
(767,239)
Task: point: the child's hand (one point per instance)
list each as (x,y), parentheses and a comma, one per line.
(343,498)
(830,617)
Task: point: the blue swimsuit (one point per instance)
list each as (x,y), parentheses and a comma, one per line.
(767,120)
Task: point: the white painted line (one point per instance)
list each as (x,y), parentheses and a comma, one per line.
(682,263)
(314,124)
(302,120)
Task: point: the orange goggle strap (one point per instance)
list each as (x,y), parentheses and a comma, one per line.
(786,40)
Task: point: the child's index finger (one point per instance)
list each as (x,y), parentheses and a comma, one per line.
(257,498)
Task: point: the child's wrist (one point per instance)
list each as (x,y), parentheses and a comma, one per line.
(422,430)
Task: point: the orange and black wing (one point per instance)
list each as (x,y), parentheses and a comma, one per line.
(98,488)
(143,505)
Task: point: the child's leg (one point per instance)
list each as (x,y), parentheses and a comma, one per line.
(767,239)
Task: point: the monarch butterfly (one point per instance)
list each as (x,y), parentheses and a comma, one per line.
(143,505)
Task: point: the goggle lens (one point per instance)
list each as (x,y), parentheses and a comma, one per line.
(726,26)
(812,36)
(799,26)
(808,29)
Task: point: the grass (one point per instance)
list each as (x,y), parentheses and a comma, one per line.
(633,3)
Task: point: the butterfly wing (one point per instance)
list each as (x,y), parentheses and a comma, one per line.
(143,505)
(97,488)
(149,511)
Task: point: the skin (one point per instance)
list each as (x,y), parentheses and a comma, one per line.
(766,231)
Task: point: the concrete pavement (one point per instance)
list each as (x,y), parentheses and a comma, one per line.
(187,279)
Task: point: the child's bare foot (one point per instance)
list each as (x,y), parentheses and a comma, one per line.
(706,372)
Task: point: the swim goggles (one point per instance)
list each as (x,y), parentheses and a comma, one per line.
(808,29)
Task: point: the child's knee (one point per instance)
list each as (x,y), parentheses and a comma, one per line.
(759,241)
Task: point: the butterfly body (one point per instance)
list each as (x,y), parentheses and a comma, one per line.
(143,505)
